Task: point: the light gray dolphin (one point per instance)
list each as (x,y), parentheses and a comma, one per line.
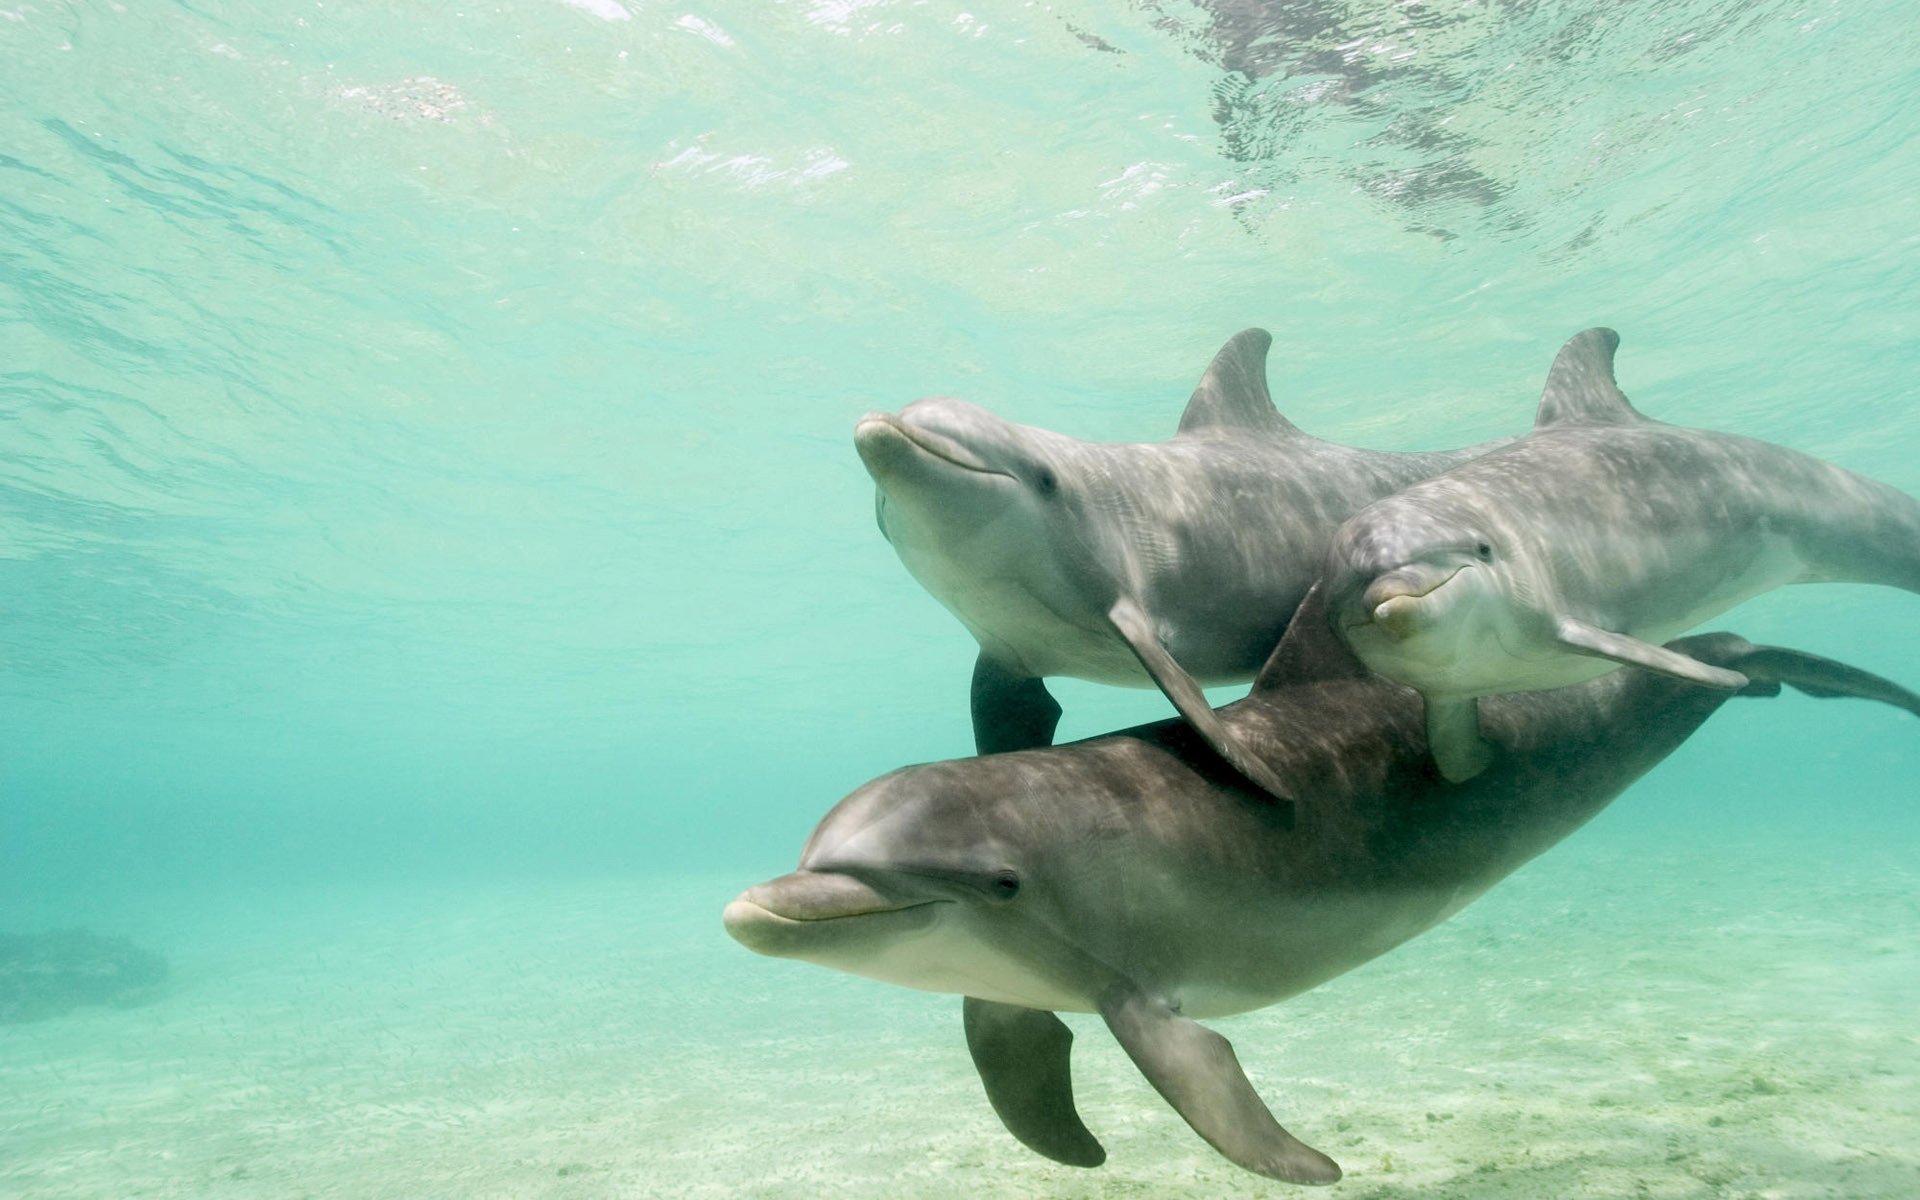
(1173,564)
(1135,876)
(1587,543)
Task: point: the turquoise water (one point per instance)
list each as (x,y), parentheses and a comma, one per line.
(435,573)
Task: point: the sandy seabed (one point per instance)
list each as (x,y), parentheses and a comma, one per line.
(1612,1022)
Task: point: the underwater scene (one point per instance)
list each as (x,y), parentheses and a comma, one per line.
(516,519)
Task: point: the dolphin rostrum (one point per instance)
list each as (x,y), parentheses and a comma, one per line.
(1585,544)
(1134,876)
(1173,564)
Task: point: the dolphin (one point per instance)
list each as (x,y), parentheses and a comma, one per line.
(1585,544)
(1137,877)
(1173,564)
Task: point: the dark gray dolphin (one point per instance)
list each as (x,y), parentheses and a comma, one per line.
(1173,564)
(1587,543)
(1136,876)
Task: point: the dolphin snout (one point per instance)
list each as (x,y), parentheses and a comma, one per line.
(874,427)
(816,896)
(1393,601)
(881,443)
(1398,585)
(804,913)
(1397,616)
(949,431)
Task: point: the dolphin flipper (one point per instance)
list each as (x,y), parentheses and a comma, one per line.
(1582,638)
(1010,712)
(1453,736)
(1180,687)
(1021,1054)
(1194,1068)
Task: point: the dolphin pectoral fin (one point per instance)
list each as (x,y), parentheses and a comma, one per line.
(1453,736)
(1582,638)
(1010,712)
(1021,1054)
(1194,1068)
(1186,695)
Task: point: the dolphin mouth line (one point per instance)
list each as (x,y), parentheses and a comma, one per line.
(944,449)
(1430,589)
(1407,592)
(849,915)
(1392,608)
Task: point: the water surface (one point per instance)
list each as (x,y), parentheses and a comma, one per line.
(433,561)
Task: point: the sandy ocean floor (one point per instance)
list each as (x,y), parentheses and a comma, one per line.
(1740,1023)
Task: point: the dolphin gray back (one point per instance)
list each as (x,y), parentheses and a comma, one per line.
(1849,527)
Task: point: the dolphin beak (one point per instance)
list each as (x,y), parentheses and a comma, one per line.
(788,915)
(1392,601)
(880,442)
(1395,616)
(817,896)
(886,442)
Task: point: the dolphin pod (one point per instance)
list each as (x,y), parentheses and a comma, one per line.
(1173,564)
(1150,876)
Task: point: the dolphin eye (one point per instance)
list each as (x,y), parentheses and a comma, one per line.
(1485,552)
(1046,482)
(1005,885)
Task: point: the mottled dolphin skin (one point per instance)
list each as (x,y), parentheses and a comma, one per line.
(1585,544)
(1173,564)
(1137,877)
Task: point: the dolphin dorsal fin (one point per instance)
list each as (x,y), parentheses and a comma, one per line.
(1580,387)
(1310,650)
(1233,392)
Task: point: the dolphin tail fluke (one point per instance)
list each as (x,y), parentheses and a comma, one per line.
(1022,1057)
(1822,677)
(1181,688)
(1194,1068)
